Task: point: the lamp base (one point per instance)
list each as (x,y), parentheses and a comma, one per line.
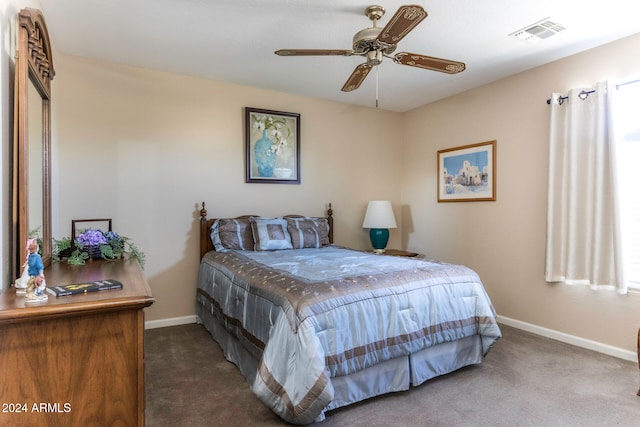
(379,239)
(378,251)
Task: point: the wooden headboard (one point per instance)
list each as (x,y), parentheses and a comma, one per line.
(206,244)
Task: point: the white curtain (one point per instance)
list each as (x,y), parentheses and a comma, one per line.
(583,212)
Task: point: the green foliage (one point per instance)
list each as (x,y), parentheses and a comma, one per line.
(115,248)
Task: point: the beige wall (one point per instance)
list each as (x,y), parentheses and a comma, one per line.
(145,147)
(504,241)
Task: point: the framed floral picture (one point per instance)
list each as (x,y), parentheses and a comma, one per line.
(272,146)
(467,173)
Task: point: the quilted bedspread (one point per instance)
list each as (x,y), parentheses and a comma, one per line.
(310,315)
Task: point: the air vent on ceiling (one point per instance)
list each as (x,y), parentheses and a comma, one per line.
(539,31)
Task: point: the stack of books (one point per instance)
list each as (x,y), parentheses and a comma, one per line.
(83,288)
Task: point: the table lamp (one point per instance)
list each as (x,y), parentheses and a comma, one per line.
(379,218)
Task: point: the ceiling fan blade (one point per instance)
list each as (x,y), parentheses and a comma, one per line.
(356,78)
(405,20)
(429,62)
(313,52)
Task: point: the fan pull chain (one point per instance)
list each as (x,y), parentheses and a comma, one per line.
(376,86)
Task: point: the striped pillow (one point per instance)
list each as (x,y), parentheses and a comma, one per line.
(232,233)
(308,232)
(270,234)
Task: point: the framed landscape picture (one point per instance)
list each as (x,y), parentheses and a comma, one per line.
(272,146)
(467,173)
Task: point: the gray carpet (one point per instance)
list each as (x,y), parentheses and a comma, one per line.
(526,380)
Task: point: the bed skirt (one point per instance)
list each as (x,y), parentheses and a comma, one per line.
(390,376)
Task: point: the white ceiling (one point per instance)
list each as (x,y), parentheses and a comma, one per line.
(234,40)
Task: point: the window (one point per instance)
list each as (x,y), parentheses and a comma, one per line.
(626,112)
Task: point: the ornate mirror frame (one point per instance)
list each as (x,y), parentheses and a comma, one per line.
(34,66)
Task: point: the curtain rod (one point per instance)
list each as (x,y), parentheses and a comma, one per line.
(585,93)
(627,83)
(582,95)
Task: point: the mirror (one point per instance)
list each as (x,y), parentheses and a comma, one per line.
(35,197)
(32,142)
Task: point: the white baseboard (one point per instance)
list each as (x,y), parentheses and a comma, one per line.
(570,339)
(518,324)
(173,321)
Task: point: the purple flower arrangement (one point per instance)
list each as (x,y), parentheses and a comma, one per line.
(92,243)
(92,238)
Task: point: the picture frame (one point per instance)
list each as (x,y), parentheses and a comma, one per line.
(272,146)
(467,173)
(78,226)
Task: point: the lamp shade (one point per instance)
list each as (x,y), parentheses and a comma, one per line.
(379,215)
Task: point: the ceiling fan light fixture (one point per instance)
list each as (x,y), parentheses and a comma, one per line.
(366,40)
(374,57)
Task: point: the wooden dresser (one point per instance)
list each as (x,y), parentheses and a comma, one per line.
(75,360)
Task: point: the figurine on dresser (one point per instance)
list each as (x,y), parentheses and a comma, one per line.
(36,285)
(22,281)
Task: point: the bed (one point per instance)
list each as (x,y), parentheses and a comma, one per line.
(313,326)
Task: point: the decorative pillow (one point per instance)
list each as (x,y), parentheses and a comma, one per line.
(308,232)
(232,233)
(270,234)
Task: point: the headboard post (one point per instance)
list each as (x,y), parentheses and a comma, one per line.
(330,221)
(204,235)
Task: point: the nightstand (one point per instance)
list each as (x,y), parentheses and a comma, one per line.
(400,252)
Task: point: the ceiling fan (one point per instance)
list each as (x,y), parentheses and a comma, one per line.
(375,43)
